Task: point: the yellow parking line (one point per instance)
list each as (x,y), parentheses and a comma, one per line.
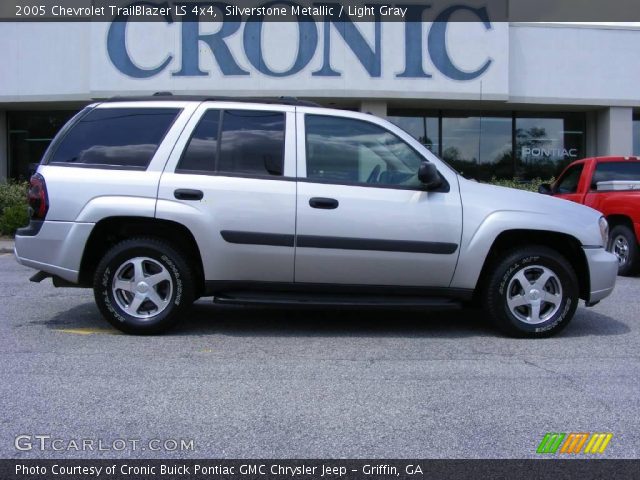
(88,331)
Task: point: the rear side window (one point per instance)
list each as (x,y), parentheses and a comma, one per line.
(243,142)
(202,151)
(121,137)
(610,171)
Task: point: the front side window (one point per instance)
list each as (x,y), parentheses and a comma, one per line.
(344,150)
(236,142)
(121,137)
(570,180)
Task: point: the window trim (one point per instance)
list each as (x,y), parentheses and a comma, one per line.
(444,187)
(103,166)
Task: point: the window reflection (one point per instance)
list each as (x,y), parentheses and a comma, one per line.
(200,154)
(344,150)
(252,142)
(478,147)
(636,135)
(115,136)
(546,144)
(30,133)
(425,129)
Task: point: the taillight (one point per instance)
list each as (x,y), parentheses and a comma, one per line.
(38,199)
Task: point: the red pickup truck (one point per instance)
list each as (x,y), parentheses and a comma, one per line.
(610,185)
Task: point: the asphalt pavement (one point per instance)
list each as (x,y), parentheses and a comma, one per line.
(270,383)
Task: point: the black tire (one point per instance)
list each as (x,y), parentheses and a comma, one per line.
(505,284)
(174,294)
(622,236)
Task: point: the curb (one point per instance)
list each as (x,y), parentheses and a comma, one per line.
(6,246)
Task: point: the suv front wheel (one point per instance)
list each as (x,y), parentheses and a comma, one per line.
(532,292)
(143,285)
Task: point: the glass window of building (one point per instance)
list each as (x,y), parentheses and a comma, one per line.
(478,146)
(636,134)
(30,133)
(423,127)
(546,143)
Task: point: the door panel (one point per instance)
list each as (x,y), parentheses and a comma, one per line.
(244,223)
(239,224)
(371,235)
(377,236)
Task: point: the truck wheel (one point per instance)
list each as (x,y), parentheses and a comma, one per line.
(143,286)
(532,292)
(623,243)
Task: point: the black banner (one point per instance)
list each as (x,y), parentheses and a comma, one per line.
(319,469)
(319,10)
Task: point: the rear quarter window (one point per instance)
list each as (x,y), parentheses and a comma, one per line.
(119,137)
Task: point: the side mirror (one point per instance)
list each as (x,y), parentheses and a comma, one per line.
(544,189)
(429,176)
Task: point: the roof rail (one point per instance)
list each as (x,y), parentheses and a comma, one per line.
(159,96)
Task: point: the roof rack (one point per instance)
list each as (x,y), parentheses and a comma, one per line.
(163,96)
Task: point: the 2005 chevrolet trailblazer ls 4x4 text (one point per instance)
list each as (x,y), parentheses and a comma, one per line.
(156,202)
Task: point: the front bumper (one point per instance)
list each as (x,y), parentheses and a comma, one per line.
(56,248)
(603,271)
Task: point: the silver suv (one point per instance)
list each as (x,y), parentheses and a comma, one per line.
(158,201)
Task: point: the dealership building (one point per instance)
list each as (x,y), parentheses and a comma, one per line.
(511,100)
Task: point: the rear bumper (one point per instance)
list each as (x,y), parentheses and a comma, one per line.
(603,271)
(56,248)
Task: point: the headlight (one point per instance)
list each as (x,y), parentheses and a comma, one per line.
(604,231)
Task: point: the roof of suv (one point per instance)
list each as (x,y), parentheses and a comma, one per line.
(203,98)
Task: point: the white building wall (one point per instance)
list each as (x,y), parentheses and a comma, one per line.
(44,61)
(375,107)
(615,131)
(540,64)
(569,65)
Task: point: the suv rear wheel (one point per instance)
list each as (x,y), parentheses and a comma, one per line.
(143,285)
(532,292)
